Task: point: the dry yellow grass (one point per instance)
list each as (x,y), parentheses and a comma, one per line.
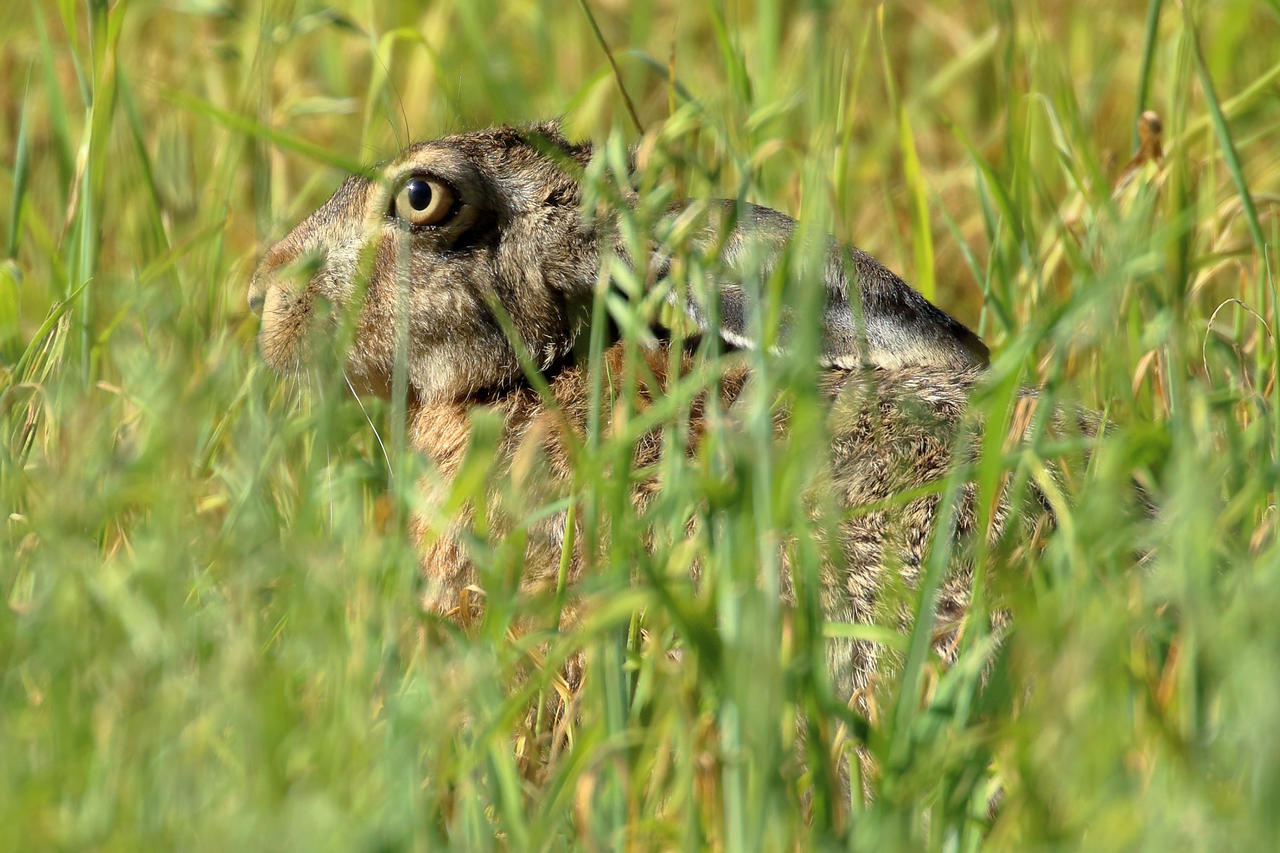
(211,636)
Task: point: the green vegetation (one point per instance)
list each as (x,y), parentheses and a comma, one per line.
(211,636)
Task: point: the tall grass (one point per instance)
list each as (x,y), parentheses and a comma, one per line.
(212,636)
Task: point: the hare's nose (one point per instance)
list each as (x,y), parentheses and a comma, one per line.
(276,266)
(257,294)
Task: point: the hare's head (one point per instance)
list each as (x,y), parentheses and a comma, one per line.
(428,251)
(459,246)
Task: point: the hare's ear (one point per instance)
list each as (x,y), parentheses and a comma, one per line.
(869,315)
(548,139)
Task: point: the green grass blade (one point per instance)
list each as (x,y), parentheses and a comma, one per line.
(256,130)
(1149,42)
(21,173)
(1229,154)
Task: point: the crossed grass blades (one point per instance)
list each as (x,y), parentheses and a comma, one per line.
(211,636)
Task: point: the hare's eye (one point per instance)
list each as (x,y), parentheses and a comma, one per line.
(422,201)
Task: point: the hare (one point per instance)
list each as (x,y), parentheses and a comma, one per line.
(458,236)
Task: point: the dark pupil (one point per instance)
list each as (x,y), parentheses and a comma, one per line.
(419,194)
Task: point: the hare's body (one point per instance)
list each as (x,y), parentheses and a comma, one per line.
(892,430)
(474,248)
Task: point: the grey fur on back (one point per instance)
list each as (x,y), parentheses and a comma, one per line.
(513,249)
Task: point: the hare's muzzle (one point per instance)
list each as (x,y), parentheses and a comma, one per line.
(257,294)
(278,294)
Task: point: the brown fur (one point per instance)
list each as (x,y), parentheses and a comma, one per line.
(892,430)
(518,251)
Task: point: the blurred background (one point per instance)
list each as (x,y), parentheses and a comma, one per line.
(211,635)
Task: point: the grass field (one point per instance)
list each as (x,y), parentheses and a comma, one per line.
(211,636)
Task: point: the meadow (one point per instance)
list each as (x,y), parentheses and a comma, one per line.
(211,635)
